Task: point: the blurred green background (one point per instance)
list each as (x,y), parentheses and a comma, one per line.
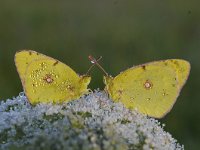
(124,32)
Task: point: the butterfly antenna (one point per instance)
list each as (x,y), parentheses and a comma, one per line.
(93,65)
(95,62)
(90,69)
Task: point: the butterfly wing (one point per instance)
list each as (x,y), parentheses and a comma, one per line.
(49,80)
(152,88)
(24,58)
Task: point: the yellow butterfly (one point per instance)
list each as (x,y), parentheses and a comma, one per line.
(45,79)
(151,88)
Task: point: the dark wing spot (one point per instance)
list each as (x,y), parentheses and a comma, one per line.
(143,67)
(30,53)
(120,92)
(176,63)
(37,53)
(54,64)
(165,63)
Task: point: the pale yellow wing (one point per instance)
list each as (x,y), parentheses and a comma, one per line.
(150,88)
(23,58)
(48,80)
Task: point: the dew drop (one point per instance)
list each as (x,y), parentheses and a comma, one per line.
(21,94)
(68,86)
(131,99)
(35,84)
(164,92)
(148,99)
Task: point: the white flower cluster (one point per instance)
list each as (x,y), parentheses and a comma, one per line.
(92,122)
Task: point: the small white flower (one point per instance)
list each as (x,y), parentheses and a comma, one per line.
(91,122)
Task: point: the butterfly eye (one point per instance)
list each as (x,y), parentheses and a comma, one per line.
(92,59)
